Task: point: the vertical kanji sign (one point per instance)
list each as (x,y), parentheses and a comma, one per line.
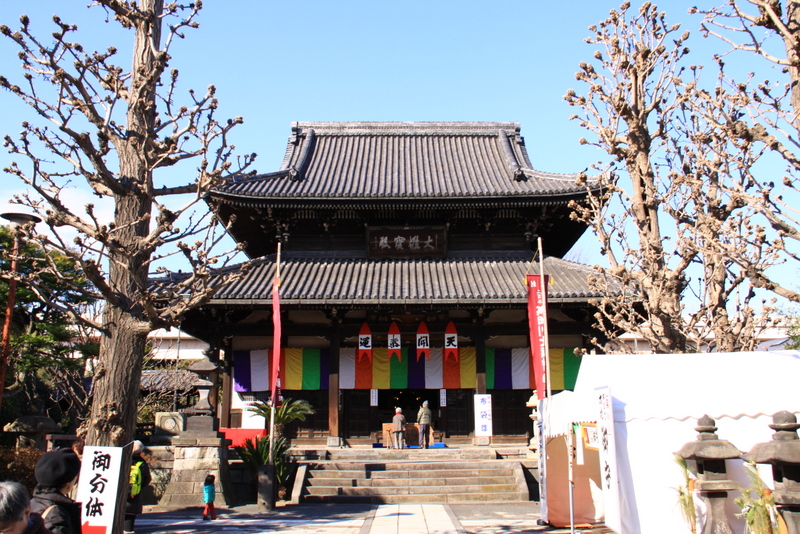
(609,475)
(394,344)
(537,324)
(276,340)
(99,487)
(451,342)
(423,341)
(364,349)
(483,415)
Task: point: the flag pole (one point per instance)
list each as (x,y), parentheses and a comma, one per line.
(546,333)
(276,353)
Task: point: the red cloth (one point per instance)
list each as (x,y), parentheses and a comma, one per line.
(238,435)
(276,338)
(537,324)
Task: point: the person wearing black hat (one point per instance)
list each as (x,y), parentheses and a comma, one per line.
(56,474)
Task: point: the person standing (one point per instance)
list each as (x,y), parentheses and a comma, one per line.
(399,428)
(140,477)
(56,474)
(209,494)
(424,422)
(15,511)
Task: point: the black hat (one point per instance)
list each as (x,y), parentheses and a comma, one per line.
(57,468)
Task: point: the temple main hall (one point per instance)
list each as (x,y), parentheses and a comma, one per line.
(391,231)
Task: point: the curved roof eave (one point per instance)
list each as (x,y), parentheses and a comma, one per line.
(233,197)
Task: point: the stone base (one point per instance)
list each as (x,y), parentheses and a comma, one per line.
(334,442)
(195,458)
(482,441)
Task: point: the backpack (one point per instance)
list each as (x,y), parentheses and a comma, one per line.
(135,480)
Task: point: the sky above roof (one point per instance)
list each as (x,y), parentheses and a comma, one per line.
(365,60)
(278,62)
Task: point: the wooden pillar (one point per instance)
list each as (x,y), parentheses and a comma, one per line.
(480,358)
(334,436)
(227,387)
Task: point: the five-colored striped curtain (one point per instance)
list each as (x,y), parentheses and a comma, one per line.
(307,369)
(511,369)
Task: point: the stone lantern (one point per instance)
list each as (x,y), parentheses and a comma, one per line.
(31,430)
(783,453)
(713,484)
(200,449)
(201,415)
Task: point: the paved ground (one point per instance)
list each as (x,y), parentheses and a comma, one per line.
(491,518)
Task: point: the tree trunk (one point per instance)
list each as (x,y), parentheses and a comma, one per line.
(115,391)
(792,43)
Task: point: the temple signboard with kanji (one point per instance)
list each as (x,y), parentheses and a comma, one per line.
(406,242)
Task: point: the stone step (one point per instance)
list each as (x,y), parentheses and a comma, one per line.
(413,499)
(414,466)
(413,473)
(404,479)
(411,454)
(491,489)
(377,482)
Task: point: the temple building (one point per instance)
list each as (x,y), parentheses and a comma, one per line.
(404,250)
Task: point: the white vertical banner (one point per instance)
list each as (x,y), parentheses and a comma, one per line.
(98,488)
(442,398)
(373,397)
(542,461)
(483,415)
(609,475)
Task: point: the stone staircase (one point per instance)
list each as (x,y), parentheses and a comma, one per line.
(412,476)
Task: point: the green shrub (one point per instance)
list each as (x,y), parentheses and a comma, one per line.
(18,465)
(255,454)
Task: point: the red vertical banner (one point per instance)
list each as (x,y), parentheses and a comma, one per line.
(451,374)
(393,342)
(423,341)
(537,324)
(450,342)
(276,339)
(363,373)
(364,349)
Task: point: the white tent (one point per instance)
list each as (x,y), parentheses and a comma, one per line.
(656,401)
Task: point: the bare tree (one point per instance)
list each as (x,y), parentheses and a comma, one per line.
(769,120)
(115,128)
(666,196)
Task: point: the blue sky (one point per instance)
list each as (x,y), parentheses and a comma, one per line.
(434,60)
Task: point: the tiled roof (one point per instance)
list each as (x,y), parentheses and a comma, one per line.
(361,160)
(168,380)
(335,279)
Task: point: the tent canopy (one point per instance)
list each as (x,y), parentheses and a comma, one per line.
(688,386)
(657,400)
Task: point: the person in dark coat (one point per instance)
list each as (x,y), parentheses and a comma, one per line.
(56,474)
(15,511)
(424,422)
(134,505)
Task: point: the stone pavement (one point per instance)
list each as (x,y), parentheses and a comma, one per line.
(484,518)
